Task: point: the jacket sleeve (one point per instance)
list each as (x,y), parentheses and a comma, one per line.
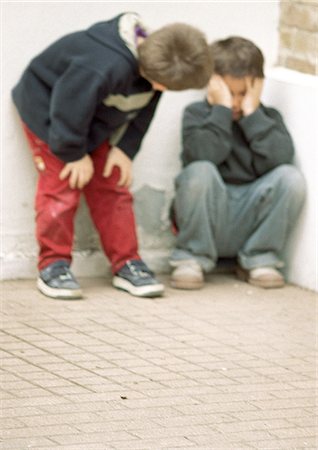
(206,133)
(73,104)
(131,140)
(268,139)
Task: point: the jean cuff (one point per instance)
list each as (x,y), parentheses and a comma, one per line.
(268,259)
(179,255)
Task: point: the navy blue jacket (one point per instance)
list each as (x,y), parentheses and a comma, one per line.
(84,89)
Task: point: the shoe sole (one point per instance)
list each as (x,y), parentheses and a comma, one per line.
(62,294)
(265,284)
(187,285)
(155,290)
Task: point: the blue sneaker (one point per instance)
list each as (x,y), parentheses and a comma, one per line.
(57,281)
(137,279)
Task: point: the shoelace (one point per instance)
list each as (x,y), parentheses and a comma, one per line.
(61,271)
(138,268)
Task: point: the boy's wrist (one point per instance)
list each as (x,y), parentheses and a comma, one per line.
(219,102)
(248,112)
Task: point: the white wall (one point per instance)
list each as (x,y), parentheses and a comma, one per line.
(27,28)
(296,95)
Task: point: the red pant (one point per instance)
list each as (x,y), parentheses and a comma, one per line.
(111,208)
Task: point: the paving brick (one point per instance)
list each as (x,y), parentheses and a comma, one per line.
(145,386)
(95,446)
(57,419)
(48,430)
(16,385)
(256,425)
(272,414)
(235,397)
(285,403)
(31,392)
(187,448)
(25,443)
(249,436)
(206,419)
(147,444)
(216,441)
(6,395)
(90,438)
(36,401)
(53,383)
(20,412)
(165,432)
(133,425)
(295,444)
(215,407)
(291,393)
(180,383)
(258,387)
(10,423)
(304,421)
(62,408)
(162,412)
(200,392)
(292,432)
(160,401)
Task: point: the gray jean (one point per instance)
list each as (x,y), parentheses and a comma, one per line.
(250,221)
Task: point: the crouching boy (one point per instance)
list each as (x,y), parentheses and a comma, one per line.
(238,194)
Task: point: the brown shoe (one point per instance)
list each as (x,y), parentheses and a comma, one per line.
(264,277)
(187,275)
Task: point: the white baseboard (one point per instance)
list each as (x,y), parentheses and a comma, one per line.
(90,264)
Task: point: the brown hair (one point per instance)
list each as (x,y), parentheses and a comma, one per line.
(238,57)
(176,56)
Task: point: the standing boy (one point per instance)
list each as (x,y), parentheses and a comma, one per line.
(86,103)
(238,194)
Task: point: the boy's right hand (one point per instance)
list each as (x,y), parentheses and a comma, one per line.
(117,157)
(218,92)
(80,172)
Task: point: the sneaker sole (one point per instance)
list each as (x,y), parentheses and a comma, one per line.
(188,285)
(265,284)
(155,290)
(62,294)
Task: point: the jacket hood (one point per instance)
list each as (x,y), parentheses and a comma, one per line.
(126,27)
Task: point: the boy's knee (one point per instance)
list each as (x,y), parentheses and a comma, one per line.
(197,179)
(204,171)
(197,176)
(292,180)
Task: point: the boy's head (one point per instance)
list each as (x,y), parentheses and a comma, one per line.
(177,57)
(237,59)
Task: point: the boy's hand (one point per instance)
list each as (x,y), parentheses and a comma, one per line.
(80,172)
(218,92)
(252,97)
(117,157)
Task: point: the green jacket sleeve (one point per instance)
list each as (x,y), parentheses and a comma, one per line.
(206,133)
(268,139)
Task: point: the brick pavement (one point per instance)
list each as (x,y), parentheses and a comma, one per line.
(227,367)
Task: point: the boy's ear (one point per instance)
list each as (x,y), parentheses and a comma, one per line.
(158,86)
(155,86)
